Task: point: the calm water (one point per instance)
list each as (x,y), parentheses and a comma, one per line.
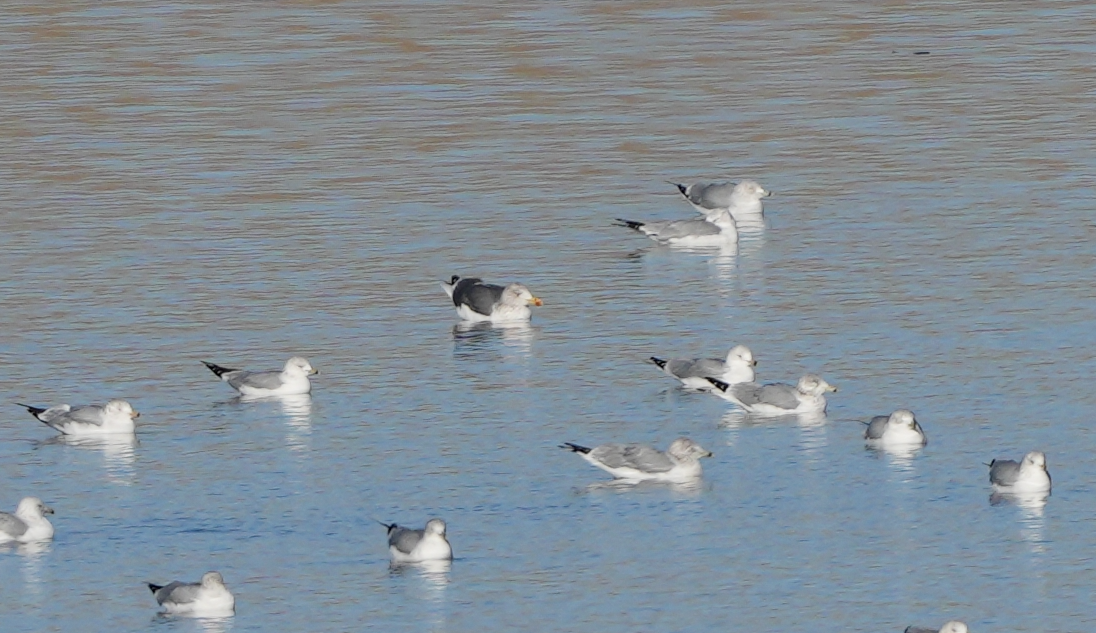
(240,184)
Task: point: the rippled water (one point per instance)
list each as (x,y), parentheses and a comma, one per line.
(243,183)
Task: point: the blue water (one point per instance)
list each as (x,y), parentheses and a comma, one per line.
(242,184)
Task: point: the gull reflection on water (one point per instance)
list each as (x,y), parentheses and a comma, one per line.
(900,455)
(220,624)
(117,449)
(33,555)
(298,413)
(433,577)
(476,340)
(812,426)
(689,489)
(1032,506)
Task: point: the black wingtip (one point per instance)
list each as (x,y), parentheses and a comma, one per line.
(658,361)
(217,369)
(575,447)
(154,588)
(388,526)
(35,411)
(991,463)
(454,279)
(719,384)
(629,224)
(682,188)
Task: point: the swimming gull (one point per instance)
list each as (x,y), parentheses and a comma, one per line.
(736,368)
(28,524)
(210,597)
(777,398)
(742,200)
(899,428)
(637,462)
(1029,475)
(951,627)
(416,546)
(292,380)
(479,302)
(717,230)
(116,416)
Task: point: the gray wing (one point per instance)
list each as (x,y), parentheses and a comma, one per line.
(404,539)
(777,395)
(637,456)
(12,525)
(477,295)
(1004,472)
(711,196)
(696,368)
(920,629)
(876,427)
(686,228)
(91,414)
(256,379)
(179,592)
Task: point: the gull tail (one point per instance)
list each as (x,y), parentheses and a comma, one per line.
(154,588)
(575,447)
(658,361)
(630,224)
(35,411)
(217,369)
(719,384)
(388,526)
(448,287)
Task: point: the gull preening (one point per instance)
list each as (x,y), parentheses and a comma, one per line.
(638,462)
(478,302)
(738,367)
(954,626)
(28,524)
(743,200)
(807,396)
(1028,475)
(717,229)
(898,428)
(292,380)
(116,416)
(209,597)
(416,546)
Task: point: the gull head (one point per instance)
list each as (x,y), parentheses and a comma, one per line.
(1034,459)
(212,579)
(741,355)
(121,407)
(32,507)
(518,295)
(813,385)
(683,449)
(299,365)
(435,526)
(954,626)
(750,190)
(903,418)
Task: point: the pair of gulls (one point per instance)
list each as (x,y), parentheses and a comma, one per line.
(724,205)
(210,597)
(118,416)
(732,378)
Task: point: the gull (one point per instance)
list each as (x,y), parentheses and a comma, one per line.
(1029,475)
(736,368)
(28,524)
(743,200)
(718,229)
(116,416)
(416,546)
(478,302)
(637,462)
(951,627)
(292,380)
(209,597)
(777,398)
(898,428)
